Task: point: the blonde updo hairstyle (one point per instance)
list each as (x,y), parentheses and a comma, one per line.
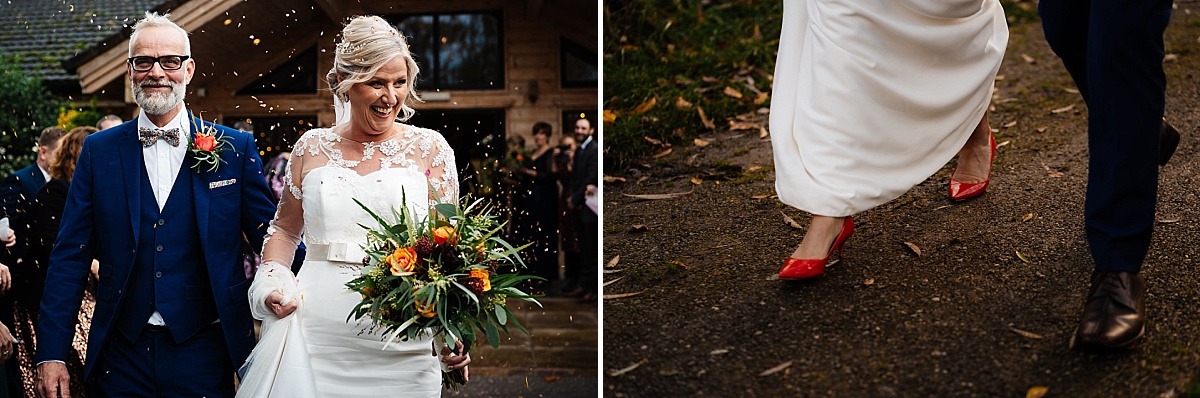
(367,43)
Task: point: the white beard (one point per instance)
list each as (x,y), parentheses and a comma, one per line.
(158,103)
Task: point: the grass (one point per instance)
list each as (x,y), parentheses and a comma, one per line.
(664,51)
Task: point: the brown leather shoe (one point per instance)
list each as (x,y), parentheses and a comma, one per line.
(1168,140)
(1114,314)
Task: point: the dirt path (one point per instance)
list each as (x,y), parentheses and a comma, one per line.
(968,316)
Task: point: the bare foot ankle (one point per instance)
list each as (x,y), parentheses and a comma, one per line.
(822,231)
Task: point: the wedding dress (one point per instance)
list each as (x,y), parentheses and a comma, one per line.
(316,351)
(873,97)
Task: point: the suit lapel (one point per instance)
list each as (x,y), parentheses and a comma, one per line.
(130,152)
(199,187)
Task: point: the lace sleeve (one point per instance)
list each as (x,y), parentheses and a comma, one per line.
(442,174)
(283,234)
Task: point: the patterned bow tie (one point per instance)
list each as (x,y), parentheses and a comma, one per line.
(148,136)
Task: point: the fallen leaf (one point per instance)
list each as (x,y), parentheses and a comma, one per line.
(696,180)
(638,228)
(627,369)
(704,119)
(761,98)
(609,116)
(652,141)
(681,103)
(1067,108)
(754,168)
(1010,124)
(708,79)
(1071,90)
(778,368)
(1021,256)
(1051,173)
(1041,129)
(622,295)
(642,178)
(645,106)
(1037,392)
(735,125)
(869,281)
(764,196)
(612,271)
(718,352)
(661,153)
(757,36)
(613,281)
(551,379)
(1028,59)
(613,262)
(790,221)
(658,196)
(914,248)
(1170,57)
(1027,217)
(1003,144)
(733,92)
(1170,220)
(1028,335)
(611,179)
(679,263)
(700,142)
(762,132)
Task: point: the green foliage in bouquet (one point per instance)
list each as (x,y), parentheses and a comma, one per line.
(440,276)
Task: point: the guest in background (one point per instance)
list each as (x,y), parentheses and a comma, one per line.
(585,184)
(564,155)
(108,121)
(39,234)
(541,207)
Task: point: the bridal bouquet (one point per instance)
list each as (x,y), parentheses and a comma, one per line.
(440,276)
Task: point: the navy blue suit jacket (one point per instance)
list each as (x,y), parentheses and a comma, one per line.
(19,188)
(102,221)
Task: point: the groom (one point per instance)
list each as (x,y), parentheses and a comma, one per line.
(1114,52)
(171,315)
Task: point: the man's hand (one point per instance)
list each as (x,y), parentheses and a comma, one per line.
(281,310)
(5,279)
(9,240)
(53,380)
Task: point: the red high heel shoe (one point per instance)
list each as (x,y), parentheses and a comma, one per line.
(804,268)
(967,190)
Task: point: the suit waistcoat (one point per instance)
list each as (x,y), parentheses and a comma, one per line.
(169,272)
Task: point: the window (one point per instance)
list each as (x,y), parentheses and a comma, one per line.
(477,136)
(456,51)
(578,65)
(296,76)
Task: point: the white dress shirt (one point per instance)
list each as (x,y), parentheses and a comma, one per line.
(163,163)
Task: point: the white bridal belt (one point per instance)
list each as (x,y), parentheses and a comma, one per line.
(335,252)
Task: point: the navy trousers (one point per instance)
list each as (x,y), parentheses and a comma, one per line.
(155,366)
(1113,49)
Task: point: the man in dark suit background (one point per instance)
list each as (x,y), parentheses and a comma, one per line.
(16,191)
(1114,52)
(584,183)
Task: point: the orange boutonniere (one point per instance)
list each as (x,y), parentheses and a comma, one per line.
(206,147)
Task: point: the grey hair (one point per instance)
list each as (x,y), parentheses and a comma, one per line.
(369,42)
(154,20)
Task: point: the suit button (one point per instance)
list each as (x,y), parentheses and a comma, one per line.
(158,274)
(159,248)
(161,222)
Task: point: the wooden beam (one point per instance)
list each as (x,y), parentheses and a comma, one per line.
(97,73)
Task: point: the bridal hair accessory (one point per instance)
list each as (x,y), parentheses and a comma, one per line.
(206,147)
(447,275)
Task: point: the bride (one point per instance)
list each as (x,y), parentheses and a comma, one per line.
(309,348)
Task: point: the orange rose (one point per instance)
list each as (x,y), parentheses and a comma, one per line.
(481,274)
(425,309)
(444,235)
(205,142)
(402,260)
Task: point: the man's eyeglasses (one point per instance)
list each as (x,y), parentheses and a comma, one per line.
(167,62)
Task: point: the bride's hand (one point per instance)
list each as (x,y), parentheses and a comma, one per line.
(275,303)
(456,361)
